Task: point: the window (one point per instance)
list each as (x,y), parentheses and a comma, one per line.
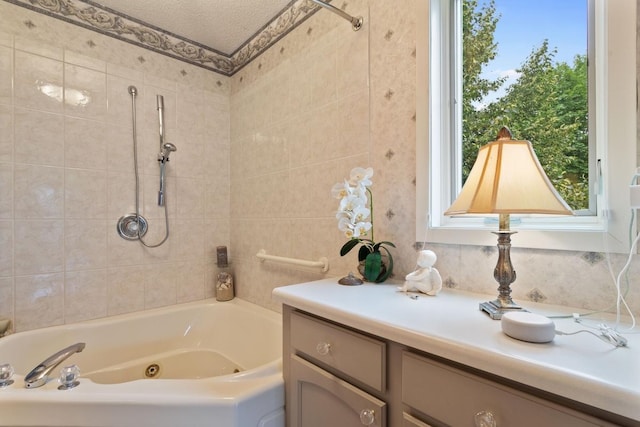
(601,222)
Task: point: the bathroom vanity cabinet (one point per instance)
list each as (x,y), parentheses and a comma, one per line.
(345,369)
(336,376)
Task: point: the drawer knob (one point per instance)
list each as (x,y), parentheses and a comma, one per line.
(367,417)
(323,348)
(485,419)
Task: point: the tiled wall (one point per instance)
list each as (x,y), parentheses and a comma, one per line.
(66,174)
(326,99)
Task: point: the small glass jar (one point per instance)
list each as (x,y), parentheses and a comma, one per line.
(224,286)
(224,281)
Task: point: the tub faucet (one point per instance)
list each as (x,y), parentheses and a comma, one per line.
(38,376)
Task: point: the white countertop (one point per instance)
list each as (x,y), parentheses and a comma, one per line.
(450,325)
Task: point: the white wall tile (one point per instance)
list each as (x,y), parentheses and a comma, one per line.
(125,289)
(6,298)
(85,145)
(38,246)
(6,248)
(39,301)
(85,92)
(6,191)
(38,191)
(85,295)
(38,82)
(6,133)
(39,137)
(6,75)
(85,244)
(85,194)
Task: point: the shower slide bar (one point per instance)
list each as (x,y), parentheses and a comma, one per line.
(321,263)
(356,21)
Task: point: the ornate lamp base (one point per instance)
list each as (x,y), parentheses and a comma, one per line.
(504,274)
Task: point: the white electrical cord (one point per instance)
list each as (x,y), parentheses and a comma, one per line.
(607,333)
(609,336)
(620,298)
(617,280)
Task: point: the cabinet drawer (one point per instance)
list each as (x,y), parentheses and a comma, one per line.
(360,357)
(454,397)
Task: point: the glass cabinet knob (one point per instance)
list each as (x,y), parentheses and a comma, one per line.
(367,417)
(485,419)
(6,373)
(323,348)
(69,377)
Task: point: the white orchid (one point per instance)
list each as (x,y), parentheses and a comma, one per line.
(355,220)
(361,213)
(361,177)
(352,202)
(361,229)
(341,190)
(345,225)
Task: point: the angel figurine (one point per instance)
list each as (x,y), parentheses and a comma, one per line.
(425,278)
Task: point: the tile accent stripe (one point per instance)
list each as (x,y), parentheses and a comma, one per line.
(103,20)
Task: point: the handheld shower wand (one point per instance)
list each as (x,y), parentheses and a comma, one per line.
(167,148)
(160,106)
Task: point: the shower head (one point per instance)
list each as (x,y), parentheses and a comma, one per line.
(168,148)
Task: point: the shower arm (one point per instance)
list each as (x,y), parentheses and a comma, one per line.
(356,21)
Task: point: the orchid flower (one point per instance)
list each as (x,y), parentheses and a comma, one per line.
(352,202)
(361,229)
(361,176)
(361,213)
(341,190)
(355,220)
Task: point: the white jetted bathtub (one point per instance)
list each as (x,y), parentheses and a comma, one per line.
(198,364)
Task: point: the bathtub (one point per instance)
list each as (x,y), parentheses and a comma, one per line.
(211,364)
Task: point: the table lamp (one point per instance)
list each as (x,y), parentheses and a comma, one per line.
(507,178)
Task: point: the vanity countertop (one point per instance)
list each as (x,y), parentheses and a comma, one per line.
(580,367)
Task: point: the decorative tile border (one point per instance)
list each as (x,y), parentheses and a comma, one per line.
(103,20)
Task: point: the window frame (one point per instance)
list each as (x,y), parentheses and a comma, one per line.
(615,133)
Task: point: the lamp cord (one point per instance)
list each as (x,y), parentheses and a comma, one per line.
(617,280)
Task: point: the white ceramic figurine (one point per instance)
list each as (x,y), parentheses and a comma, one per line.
(425,278)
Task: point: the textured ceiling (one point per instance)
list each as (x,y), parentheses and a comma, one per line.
(221,25)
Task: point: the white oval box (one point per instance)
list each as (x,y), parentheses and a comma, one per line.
(527,326)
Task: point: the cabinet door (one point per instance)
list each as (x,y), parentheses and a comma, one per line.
(319,399)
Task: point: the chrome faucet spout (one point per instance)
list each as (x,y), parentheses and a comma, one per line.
(38,376)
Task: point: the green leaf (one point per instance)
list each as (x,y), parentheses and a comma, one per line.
(346,248)
(386,275)
(380,244)
(372,266)
(363,252)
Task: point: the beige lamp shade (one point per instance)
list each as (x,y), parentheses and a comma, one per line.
(507,178)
